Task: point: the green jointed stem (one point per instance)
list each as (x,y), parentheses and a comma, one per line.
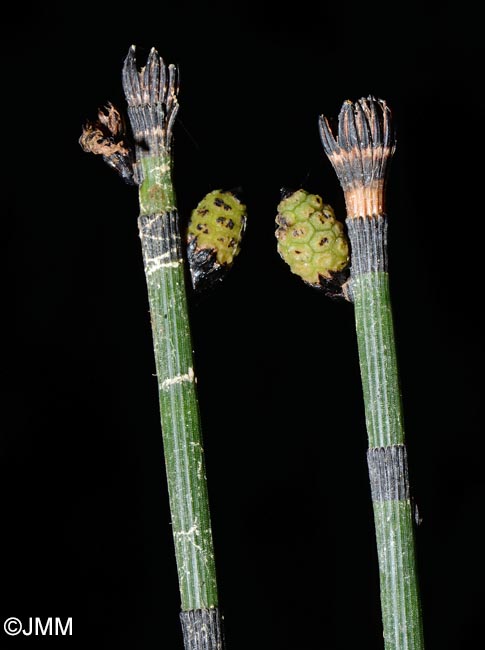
(152,106)
(393,512)
(151,95)
(360,155)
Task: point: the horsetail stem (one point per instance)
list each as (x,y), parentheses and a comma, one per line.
(360,155)
(151,95)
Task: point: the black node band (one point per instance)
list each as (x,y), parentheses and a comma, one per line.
(202,629)
(388,473)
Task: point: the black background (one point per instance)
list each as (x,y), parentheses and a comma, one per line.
(85,525)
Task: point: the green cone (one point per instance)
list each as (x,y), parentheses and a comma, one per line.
(310,240)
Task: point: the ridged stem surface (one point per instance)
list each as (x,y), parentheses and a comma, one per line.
(151,95)
(179,410)
(387,459)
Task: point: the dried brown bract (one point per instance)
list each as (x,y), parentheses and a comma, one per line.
(107,137)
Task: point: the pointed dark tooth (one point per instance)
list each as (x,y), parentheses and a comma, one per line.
(163,81)
(375,123)
(364,107)
(173,79)
(342,164)
(145,84)
(147,115)
(344,119)
(353,135)
(361,124)
(126,72)
(153,76)
(386,124)
(177,85)
(355,159)
(326,136)
(367,158)
(131,78)
(170,97)
(323,130)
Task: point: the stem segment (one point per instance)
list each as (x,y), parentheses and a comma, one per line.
(151,94)
(360,156)
(386,457)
